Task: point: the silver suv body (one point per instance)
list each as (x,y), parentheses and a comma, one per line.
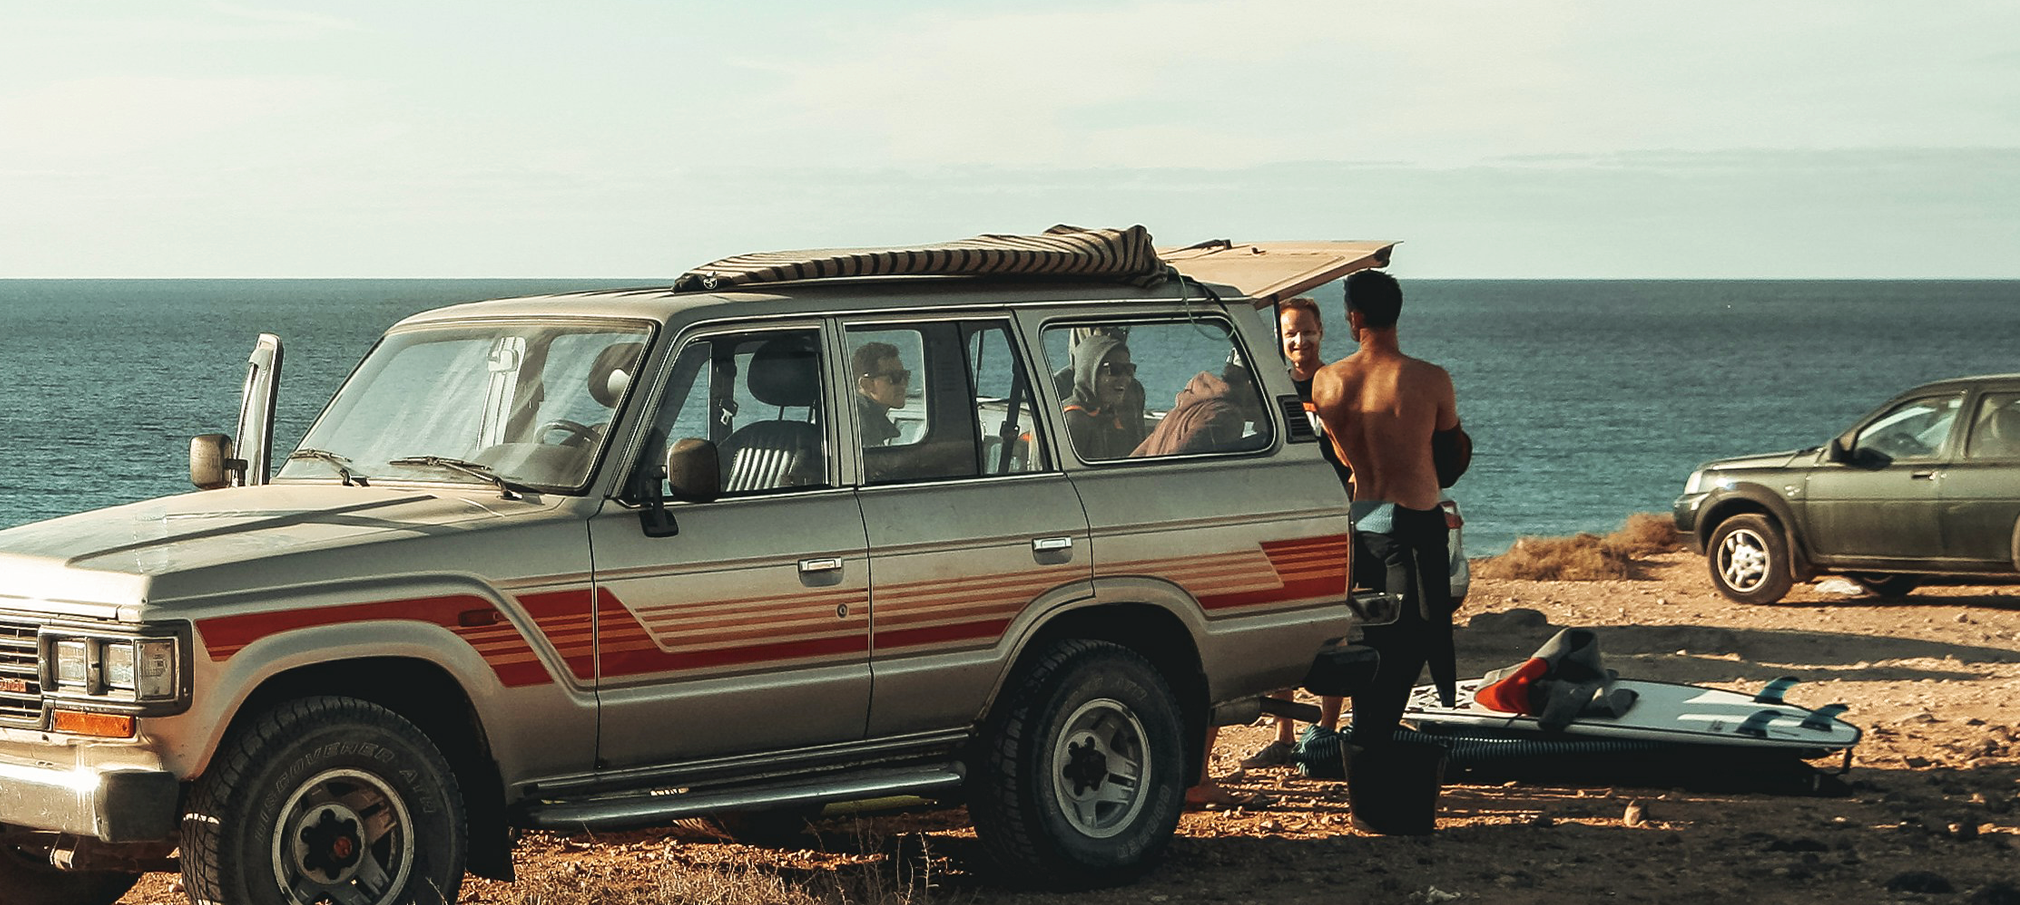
(615,558)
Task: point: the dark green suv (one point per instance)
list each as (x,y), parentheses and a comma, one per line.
(1928,484)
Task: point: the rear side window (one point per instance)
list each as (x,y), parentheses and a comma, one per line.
(1136,389)
(941,401)
(1995,429)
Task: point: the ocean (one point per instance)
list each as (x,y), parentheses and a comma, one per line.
(1587,400)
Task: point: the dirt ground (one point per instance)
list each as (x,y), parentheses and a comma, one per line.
(1932,812)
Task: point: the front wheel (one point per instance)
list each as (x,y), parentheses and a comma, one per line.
(1749,559)
(325,799)
(27,878)
(1082,772)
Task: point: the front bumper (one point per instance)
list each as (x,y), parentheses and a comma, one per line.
(112,805)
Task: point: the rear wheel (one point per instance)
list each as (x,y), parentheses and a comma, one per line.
(27,878)
(1749,559)
(325,800)
(1886,584)
(1082,775)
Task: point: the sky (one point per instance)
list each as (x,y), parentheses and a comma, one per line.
(636,138)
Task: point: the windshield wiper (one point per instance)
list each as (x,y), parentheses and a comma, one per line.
(341,464)
(510,489)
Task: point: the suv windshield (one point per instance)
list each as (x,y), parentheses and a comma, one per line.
(528,403)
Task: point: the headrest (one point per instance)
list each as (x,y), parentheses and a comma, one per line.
(611,373)
(784,372)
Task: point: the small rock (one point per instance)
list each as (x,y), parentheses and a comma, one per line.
(1841,587)
(1636,814)
(1919,881)
(1543,820)
(1964,829)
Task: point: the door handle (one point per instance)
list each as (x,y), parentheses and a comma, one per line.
(1922,476)
(830,564)
(1051,544)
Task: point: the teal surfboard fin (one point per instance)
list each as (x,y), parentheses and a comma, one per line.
(1772,694)
(1821,717)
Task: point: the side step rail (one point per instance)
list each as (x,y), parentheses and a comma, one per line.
(659,806)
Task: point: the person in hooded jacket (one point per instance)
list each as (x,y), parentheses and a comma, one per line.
(1098,417)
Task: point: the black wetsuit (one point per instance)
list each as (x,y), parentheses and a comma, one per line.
(1411,559)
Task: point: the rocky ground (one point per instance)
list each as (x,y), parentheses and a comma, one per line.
(1931,813)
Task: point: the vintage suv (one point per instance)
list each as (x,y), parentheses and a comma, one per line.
(1005,521)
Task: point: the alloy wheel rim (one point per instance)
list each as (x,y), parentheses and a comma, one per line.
(344,836)
(1743,560)
(1101,768)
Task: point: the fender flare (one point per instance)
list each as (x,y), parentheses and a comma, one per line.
(1756,498)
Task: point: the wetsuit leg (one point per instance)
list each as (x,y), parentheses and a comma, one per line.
(1411,560)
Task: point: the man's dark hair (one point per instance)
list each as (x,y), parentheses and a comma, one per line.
(1376,296)
(868,355)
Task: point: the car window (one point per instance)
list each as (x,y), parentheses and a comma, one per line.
(1006,403)
(757,397)
(1142,389)
(1995,428)
(1914,429)
(936,401)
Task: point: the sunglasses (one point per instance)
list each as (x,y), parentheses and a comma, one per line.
(1112,369)
(901,375)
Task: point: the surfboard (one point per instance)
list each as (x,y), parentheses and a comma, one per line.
(1663,712)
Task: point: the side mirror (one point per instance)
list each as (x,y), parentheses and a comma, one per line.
(1837,452)
(211,465)
(694,470)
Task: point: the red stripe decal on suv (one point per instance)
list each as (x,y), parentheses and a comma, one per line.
(498,642)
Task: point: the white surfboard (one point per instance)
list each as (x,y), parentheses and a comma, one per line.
(1662,712)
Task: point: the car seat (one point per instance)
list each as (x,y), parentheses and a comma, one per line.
(610,374)
(778,453)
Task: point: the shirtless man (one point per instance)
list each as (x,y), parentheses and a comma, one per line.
(1394,420)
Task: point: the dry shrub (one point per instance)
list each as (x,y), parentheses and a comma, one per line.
(1584,557)
(1646,534)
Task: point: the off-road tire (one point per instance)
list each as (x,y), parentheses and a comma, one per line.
(1887,584)
(284,796)
(1044,795)
(1749,558)
(27,878)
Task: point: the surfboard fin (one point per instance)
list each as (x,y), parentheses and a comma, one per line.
(1821,717)
(1772,694)
(1757,725)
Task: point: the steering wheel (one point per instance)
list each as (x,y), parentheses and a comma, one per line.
(578,433)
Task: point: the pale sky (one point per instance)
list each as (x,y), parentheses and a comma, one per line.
(636,138)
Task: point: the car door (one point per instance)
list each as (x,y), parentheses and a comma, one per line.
(970,522)
(744,625)
(1881,502)
(1981,488)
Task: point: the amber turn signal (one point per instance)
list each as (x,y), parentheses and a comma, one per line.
(102,725)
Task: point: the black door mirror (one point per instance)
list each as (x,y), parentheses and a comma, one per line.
(1838,452)
(693,470)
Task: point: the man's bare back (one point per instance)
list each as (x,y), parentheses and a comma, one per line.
(1380,407)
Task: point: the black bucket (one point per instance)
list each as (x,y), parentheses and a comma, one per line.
(1393,790)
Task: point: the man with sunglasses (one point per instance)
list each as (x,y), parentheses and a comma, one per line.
(881,383)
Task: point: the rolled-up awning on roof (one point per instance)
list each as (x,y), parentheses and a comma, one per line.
(1122,255)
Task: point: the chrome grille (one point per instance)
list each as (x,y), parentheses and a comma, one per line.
(20,675)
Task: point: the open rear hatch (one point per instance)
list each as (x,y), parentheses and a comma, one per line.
(1269,272)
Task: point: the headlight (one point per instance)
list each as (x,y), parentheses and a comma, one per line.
(1695,483)
(122,669)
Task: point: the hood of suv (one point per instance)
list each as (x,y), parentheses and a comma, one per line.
(122,546)
(1758,460)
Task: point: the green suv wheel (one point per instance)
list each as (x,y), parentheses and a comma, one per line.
(1749,559)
